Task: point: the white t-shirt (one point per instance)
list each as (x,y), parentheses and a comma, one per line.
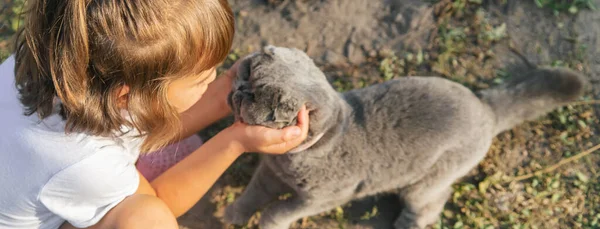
(47,176)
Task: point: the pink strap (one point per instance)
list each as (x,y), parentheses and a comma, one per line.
(151,165)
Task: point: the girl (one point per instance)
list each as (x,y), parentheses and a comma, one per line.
(99,81)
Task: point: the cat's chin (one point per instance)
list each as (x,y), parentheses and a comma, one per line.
(307,145)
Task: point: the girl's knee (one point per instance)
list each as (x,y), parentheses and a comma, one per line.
(145,212)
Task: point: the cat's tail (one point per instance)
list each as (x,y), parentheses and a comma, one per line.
(532,93)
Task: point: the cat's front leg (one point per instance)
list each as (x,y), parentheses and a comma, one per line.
(422,209)
(263,188)
(281,214)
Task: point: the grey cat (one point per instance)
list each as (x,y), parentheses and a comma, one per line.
(415,134)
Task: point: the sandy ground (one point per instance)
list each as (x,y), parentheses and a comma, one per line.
(361,42)
(350,38)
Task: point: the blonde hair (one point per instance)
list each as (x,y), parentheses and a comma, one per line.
(84,51)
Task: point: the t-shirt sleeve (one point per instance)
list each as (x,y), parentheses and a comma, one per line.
(84,192)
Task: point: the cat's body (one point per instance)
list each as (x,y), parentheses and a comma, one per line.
(415,134)
(361,163)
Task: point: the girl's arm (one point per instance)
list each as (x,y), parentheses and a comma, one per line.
(210,108)
(181,186)
(178,189)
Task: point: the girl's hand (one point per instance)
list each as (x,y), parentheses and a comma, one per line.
(271,141)
(231,73)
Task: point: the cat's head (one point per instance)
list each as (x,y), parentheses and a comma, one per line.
(271,87)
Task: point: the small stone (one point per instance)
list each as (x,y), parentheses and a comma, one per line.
(372,53)
(334,58)
(400,19)
(355,55)
(329,24)
(386,52)
(366,46)
(302,7)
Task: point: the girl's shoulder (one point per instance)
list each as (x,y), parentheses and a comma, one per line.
(46,139)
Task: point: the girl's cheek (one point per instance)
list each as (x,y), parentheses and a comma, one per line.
(196,94)
(201,90)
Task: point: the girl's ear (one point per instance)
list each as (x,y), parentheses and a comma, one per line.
(124,91)
(122,96)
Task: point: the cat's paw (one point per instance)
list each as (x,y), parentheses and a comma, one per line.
(267,222)
(405,225)
(406,221)
(235,215)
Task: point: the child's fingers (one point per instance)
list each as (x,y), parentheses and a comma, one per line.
(303,119)
(235,66)
(278,141)
(291,133)
(300,131)
(292,138)
(302,124)
(232,71)
(270,136)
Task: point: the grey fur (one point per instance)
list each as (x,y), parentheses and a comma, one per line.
(415,134)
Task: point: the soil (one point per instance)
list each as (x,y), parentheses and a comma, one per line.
(475,42)
(349,38)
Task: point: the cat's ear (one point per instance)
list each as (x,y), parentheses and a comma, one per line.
(269,50)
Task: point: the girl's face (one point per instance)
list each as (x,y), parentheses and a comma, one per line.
(184,92)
